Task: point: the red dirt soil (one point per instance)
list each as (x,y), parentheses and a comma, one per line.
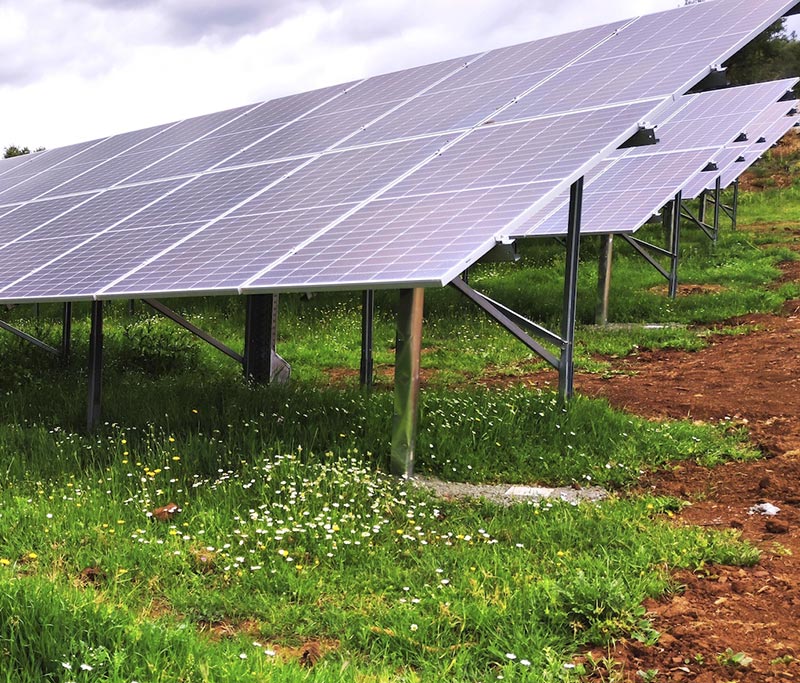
(752,380)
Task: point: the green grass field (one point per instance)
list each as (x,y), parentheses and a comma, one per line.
(295,556)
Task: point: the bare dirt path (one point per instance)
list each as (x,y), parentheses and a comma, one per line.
(728,623)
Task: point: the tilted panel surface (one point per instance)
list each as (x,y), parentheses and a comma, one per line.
(772,126)
(492,157)
(638,181)
(280,218)
(441,224)
(707,181)
(623,199)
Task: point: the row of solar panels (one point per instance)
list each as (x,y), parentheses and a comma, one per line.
(401,180)
(716,134)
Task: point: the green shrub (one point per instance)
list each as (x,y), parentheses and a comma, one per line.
(156,345)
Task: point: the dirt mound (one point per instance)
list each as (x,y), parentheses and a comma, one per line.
(752,379)
(730,623)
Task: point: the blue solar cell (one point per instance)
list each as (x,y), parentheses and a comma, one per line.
(395,87)
(539,57)
(623,192)
(714,119)
(208,196)
(704,181)
(11,163)
(103,210)
(26,217)
(105,175)
(344,177)
(38,163)
(422,240)
(189,130)
(225,254)
(445,110)
(546,149)
(21,258)
(93,264)
(628,193)
(283,109)
(39,184)
(310,135)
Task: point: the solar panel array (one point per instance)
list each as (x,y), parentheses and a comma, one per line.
(624,191)
(403,179)
(770,127)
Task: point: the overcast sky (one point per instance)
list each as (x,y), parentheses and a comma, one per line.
(72,70)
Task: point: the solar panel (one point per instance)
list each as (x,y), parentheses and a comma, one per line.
(771,127)
(474,145)
(633,184)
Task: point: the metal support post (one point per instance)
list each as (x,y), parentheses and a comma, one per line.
(701,216)
(406,381)
(674,244)
(735,212)
(95,366)
(666,224)
(604,279)
(66,333)
(566,369)
(367,320)
(261,363)
(717,207)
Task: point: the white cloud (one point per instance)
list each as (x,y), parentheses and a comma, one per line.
(78,69)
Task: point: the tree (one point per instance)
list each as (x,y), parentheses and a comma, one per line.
(14,151)
(772,55)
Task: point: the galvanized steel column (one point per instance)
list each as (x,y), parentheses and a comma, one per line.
(566,369)
(406,381)
(674,244)
(261,361)
(604,279)
(367,320)
(66,333)
(95,367)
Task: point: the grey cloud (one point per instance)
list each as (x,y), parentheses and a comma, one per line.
(186,21)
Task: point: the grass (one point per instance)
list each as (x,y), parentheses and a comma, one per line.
(294,556)
(287,549)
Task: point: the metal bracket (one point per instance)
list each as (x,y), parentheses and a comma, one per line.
(520,327)
(672,222)
(645,136)
(366,374)
(716,80)
(502,252)
(261,361)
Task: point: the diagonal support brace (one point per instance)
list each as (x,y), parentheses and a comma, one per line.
(29,338)
(500,317)
(185,324)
